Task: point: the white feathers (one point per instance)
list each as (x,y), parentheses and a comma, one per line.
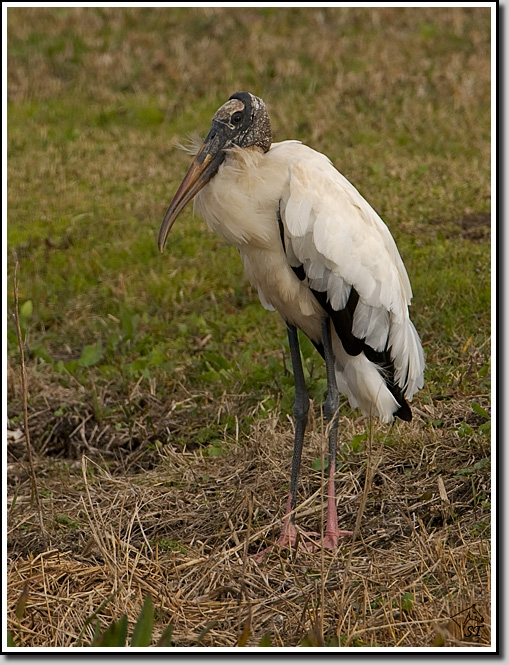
(345,233)
(192,145)
(265,304)
(366,389)
(338,291)
(372,325)
(340,242)
(409,362)
(300,211)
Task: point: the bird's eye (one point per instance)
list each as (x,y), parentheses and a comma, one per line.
(237,117)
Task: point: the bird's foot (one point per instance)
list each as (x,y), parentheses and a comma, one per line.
(294,538)
(331,540)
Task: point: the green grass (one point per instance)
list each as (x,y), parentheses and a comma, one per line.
(398,98)
(92,167)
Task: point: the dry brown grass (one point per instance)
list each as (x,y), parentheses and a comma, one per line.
(181,532)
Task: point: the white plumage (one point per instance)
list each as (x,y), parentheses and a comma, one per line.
(340,241)
(317,253)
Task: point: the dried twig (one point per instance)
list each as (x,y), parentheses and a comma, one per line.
(371,466)
(35,492)
(202,573)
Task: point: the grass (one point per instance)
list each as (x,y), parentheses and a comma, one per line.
(160,391)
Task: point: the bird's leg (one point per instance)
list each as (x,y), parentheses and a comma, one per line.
(331,412)
(300,411)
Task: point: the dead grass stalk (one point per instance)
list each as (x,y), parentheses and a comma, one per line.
(24,388)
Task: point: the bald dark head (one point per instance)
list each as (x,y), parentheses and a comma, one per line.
(245,120)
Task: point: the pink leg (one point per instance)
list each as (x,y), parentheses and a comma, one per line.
(330,409)
(289,536)
(289,532)
(332,533)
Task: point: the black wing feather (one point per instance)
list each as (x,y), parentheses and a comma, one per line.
(343,325)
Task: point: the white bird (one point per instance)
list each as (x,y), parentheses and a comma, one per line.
(319,254)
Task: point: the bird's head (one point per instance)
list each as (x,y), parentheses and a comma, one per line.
(243,122)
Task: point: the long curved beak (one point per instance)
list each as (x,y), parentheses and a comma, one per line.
(203,168)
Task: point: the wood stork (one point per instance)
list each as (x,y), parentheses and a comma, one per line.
(317,253)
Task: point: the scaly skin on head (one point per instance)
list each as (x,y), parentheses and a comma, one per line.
(244,122)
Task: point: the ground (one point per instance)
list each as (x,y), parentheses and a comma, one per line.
(159,392)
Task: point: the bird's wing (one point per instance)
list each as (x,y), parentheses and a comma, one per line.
(352,263)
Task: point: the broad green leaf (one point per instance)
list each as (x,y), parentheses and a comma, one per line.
(213,451)
(165,639)
(142,634)
(216,359)
(115,635)
(479,410)
(485,428)
(26,309)
(316,464)
(91,355)
(484,370)
(206,630)
(358,441)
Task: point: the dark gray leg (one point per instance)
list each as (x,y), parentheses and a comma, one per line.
(289,532)
(331,412)
(300,412)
